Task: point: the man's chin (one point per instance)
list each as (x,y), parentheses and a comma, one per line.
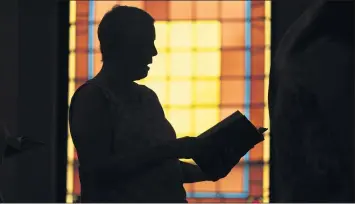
(141,75)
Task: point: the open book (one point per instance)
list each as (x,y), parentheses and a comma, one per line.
(232,138)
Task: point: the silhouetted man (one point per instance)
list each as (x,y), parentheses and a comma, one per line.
(127,149)
(311,106)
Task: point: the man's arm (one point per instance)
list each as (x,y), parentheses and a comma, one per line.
(192,173)
(91,128)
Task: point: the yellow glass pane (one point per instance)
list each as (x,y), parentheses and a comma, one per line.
(180,10)
(208,64)
(207,92)
(181,34)
(101,7)
(160,88)
(159,66)
(208,34)
(161,30)
(233,9)
(181,120)
(72,37)
(181,64)
(206,9)
(180,92)
(233,34)
(205,118)
(138,4)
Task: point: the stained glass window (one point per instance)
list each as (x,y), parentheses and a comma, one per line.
(214,58)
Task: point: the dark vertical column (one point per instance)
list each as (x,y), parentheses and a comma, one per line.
(283,14)
(340,111)
(8,80)
(41,80)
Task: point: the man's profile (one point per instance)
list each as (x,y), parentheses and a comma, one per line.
(127,149)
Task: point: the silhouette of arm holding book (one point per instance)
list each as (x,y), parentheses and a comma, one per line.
(90,124)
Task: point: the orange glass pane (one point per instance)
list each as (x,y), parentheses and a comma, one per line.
(258,33)
(233,34)
(232,92)
(256,175)
(258,9)
(158,9)
(81,65)
(233,63)
(77,188)
(207,10)
(257,64)
(232,9)
(96,38)
(180,10)
(225,112)
(233,182)
(257,91)
(101,7)
(138,4)
(97,62)
(256,154)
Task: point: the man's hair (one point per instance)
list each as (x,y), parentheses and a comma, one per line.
(121,25)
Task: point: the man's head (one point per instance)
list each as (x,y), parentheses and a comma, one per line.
(127,36)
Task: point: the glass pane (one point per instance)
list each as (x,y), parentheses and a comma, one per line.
(158,9)
(161,29)
(181,34)
(208,34)
(207,92)
(233,183)
(225,112)
(233,62)
(205,118)
(258,36)
(181,121)
(97,62)
(159,66)
(206,186)
(160,88)
(208,64)
(138,4)
(232,92)
(180,10)
(232,9)
(206,10)
(81,71)
(181,64)
(180,92)
(96,39)
(257,93)
(101,7)
(233,34)
(72,36)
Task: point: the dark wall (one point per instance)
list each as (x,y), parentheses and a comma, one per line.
(326,74)
(33,97)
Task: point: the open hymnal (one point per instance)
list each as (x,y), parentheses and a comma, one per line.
(231,138)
